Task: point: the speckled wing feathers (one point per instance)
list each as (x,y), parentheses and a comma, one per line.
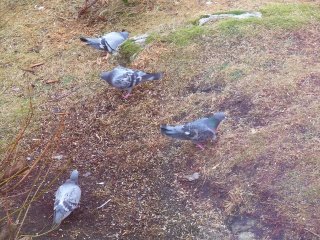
(67,199)
(125,78)
(196,131)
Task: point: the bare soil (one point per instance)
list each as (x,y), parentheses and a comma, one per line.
(261,175)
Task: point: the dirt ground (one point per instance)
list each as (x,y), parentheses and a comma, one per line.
(258,180)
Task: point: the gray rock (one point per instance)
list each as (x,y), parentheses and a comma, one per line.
(242,224)
(193,176)
(87,174)
(140,39)
(246,236)
(210,17)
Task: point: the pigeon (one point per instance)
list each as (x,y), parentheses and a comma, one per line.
(198,131)
(126,78)
(108,42)
(67,199)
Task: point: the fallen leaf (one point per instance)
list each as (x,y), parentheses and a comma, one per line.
(52,81)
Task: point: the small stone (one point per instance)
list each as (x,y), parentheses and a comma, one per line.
(87,174)
(246,236)
(58,157)
(192,177)
(141,39)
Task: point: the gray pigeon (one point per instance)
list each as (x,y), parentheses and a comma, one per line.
(125,78)
(198,131)
(108,42)
(67,199)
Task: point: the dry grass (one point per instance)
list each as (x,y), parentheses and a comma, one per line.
(264,165)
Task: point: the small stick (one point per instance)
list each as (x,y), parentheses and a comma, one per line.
(104,204)
(36,64)
(82,10)
(63,18)
(28,70)
(313,233)
(52,81)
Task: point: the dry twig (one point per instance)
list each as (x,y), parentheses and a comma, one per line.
(36,64)
(85,7)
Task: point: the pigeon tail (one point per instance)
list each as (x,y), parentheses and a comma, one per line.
(59,215)
(83,39)
(151,76)
(168,130)
(92,42)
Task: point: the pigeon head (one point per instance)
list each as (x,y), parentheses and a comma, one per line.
(215,120)
(74,176)
(105,75)
(124,34)
(220,116)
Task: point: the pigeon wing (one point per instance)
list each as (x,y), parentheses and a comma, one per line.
(112,41)
(195,131)
(67,199)
(198,130)
(124,78)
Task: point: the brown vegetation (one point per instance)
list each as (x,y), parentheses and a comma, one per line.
(263,170)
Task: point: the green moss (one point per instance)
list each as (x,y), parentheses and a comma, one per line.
(13,111)
(184,36)
(285,16)
(305,10)
(152,38)
(235,12)
(129,49)
(224,65)
(65,80)
(237,75)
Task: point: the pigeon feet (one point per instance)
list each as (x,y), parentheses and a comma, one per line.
(200,146)
(126,96)
(101,59)
(106,57)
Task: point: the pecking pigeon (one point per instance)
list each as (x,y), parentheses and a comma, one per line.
(125,78)
(108,42)
(67,199)
(198,131)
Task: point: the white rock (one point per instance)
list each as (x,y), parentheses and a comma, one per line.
(141,39)
(238,16)
(57,157)
(192,176)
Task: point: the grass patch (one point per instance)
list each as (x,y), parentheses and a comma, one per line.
(235,12)
(151,38)
(65,80)
(14,111)
(264,159)
(129,49)
(284,16)
(184,36)
(236,75)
